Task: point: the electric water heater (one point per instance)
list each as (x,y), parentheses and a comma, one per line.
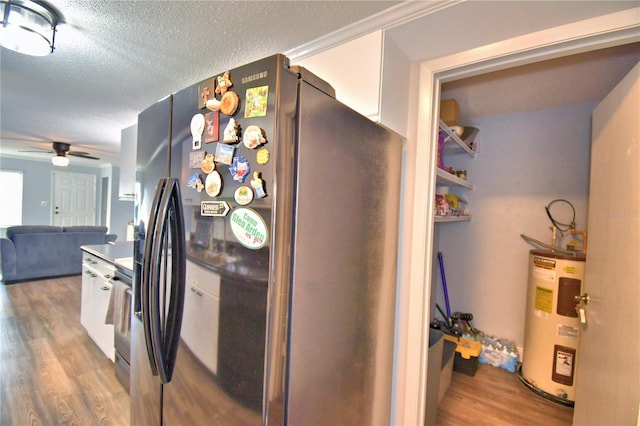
(552,326)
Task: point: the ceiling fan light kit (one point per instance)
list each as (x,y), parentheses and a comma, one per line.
(28,27)
(60,160)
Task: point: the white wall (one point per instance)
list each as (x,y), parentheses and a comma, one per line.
(36,183)
(525,161)
(120,211)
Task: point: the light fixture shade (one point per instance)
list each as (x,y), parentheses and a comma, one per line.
(60,160)
(27,27)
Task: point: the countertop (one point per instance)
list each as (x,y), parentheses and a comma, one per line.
(118,253)
(238,267)
(242,266)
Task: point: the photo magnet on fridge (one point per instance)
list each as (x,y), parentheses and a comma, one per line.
(195,159)
(224,153)
(211,126)
(256,102)
(206,91)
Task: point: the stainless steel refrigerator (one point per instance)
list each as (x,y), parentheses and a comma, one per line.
(265,255)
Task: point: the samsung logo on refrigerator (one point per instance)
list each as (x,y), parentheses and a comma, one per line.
(254,77)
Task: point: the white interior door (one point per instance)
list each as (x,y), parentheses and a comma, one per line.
(74,201)
(608,382)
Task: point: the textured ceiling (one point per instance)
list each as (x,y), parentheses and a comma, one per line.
(115,58)
(570,80)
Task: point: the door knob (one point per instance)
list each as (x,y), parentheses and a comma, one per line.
(582,298)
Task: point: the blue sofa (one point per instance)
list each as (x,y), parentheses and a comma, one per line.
(37,251)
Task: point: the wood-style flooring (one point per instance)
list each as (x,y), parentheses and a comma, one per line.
(51,372)
(495,397)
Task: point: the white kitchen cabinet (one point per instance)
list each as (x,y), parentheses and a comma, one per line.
(96,291)
(201,314)
(128,144)
(354,69)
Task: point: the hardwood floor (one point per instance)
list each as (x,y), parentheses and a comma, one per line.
(51,372)
(496,397)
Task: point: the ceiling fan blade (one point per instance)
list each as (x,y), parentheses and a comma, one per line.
(76,154)
(38,149)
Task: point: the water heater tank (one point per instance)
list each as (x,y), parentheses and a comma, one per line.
(552,325)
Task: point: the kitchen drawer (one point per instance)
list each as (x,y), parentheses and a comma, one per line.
(204,278)
(98,265)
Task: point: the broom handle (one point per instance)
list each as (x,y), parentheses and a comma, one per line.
(444,286)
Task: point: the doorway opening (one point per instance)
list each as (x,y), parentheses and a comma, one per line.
(530,48)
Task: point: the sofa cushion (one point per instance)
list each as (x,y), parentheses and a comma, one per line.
(44,254)
(102,229)
(31,229)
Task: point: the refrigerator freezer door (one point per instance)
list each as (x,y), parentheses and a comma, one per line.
(344,266)
(152,159)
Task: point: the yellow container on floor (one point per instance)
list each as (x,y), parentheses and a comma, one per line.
(467,353)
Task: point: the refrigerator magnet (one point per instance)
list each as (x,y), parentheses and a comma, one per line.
(249,228)
(243,195)
(229,103)
(213,104)
(211,120)
(207,164)
(239,169)
(253,137)
(213,184)
(224,153)
(195,159)
(195,182)
(256,102)
(214,208)
(258,185)
(206,92)
(262,156)
(224,83)
(197,127)
(231,132)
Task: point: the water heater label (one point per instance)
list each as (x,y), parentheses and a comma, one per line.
(563,365)
(567,331)
(544,300)
(544,268)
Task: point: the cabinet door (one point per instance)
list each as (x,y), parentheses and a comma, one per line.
(87,297)
(128,144)
(343,67)
(102,333)
(200,325)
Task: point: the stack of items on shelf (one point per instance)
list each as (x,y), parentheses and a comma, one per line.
(449,204)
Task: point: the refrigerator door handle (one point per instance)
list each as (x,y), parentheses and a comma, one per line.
(178,280)
(165,329)
(147,276)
